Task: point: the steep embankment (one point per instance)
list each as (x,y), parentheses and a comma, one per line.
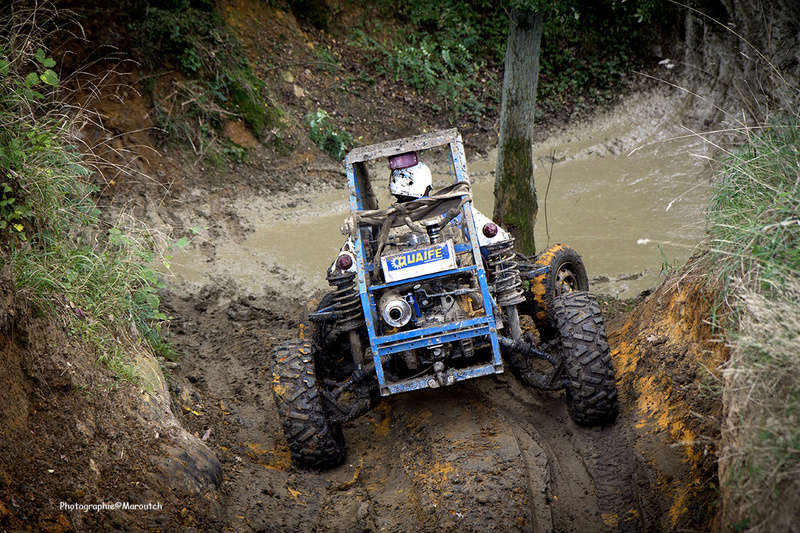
(668,359)
(73,433)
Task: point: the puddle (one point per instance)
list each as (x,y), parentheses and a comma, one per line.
(619,188)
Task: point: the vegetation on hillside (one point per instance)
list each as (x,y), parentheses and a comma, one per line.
(456,48)
(216,82)
(754,226)
(97,278)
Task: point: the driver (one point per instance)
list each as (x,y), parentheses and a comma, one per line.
(410,183)
(411,179)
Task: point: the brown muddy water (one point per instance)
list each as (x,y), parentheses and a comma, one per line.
(627,190)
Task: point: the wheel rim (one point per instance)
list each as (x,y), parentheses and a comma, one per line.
(566,280)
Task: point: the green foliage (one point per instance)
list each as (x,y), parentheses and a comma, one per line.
(103,283)
(753,214)
(193,37)
(329,138)
(587,48)
(445,49)
(329,63)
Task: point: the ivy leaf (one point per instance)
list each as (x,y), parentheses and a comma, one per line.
(181,243)
(115,236)
(47,62)
(31,80)
(50,78)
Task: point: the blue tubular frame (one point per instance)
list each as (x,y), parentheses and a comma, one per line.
(384,345)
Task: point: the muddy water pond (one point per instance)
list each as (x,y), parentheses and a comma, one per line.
(627,190)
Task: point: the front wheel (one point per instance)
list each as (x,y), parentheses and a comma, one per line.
(562,272)
(591,388)
(314,442)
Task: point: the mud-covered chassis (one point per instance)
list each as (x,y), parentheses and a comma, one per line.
(428,293)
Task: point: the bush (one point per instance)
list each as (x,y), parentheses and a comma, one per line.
(455,46)
(330,139)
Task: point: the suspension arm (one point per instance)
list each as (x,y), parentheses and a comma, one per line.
(520,350)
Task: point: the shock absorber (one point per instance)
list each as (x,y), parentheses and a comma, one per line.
(347,307)
(504,274)
(346,302)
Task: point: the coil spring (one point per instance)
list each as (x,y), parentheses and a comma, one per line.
(346,302)
(504,274)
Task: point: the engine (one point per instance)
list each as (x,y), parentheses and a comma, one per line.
(428,302)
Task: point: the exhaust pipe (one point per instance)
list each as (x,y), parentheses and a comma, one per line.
(394,310)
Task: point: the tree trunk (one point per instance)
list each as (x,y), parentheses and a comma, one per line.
(515,205)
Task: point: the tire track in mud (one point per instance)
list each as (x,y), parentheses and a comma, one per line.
(588,473)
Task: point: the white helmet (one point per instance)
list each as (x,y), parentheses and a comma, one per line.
(413,181)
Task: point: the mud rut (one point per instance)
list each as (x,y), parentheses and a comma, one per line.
(490,454)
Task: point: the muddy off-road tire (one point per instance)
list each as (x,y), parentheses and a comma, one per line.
(591,388)
(313,441)
(566,273)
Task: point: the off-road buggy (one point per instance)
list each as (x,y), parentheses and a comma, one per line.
(428,293)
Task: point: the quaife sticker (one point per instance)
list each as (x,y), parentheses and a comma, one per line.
(413,263)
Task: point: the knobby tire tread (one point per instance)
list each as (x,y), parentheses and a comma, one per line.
(591,388)
(313,441)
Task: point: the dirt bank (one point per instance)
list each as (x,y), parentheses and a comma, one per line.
(72,433)
(668,358)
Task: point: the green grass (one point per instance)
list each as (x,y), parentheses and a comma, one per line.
(754,226)
(97,279)
(753,215)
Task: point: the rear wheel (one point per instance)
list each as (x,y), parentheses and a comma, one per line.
(591,388)
(314,442)
(563,272)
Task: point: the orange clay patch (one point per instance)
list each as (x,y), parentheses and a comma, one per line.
(277,458)
(383,423)
(684,326)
